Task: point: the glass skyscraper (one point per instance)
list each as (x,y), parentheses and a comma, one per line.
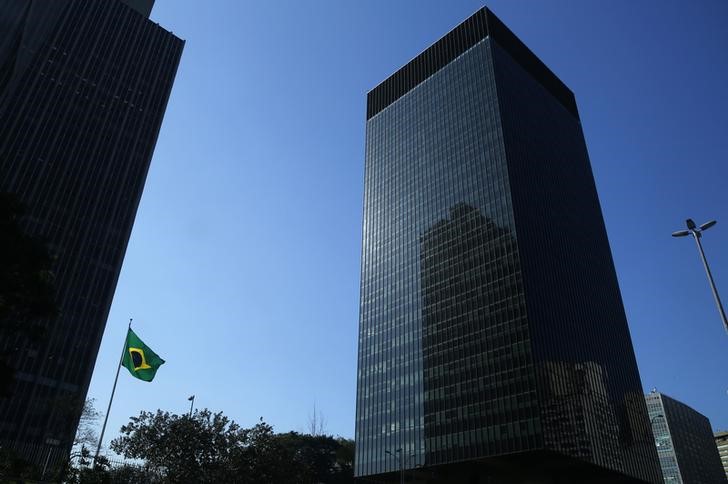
(493,342)
(721,442)
(684,441)
(83,90)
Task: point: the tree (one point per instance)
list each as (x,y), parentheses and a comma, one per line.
(76,468)
(209,447)
(86,435)
(105,473)
(12,466)
(206,447)
(26,288)
(132,474)
(191,449)
(345,460)
(263,457)
(316,422)
(320,458)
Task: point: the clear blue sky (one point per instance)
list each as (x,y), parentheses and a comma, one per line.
(243,265)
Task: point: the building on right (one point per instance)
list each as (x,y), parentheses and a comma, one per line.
(684,441)
(721,442)
(493,343)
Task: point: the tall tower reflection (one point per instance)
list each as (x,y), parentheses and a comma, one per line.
(479,390)
(483,390)
(577,416)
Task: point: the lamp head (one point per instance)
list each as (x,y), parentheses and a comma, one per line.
(707,225)
(690,223)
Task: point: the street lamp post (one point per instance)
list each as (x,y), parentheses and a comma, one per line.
(697,233)
(401,462)
(52,443)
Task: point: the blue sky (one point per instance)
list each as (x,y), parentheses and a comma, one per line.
(243,266)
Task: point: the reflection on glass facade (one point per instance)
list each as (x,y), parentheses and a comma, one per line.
(491,321)
(721,441)
(475,344)
(684,441)
(83,89)
(576,413)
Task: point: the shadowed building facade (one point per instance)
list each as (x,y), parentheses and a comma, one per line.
(684,441)
(493,343)
(721,442)
(83,90)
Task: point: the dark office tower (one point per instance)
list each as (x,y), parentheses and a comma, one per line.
(684,441)
(83,89)
(493,343)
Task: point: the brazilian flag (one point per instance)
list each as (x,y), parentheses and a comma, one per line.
(139,358)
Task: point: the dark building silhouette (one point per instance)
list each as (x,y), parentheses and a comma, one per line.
(684,441)
(493,342)
(83,90)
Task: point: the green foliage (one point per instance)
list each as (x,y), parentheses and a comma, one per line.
(26,280)
(12,466)
(26,286)
(106,473)
(86,431)
(319,458)
(132,474)
(209,447)
(189,449)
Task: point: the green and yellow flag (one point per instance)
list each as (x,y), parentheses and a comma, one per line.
(139,358)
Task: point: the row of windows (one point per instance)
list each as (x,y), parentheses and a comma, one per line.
(434,174)
(441,262)
(80,168)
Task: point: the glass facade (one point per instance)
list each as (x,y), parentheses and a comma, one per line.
(488,327)
(83,90)
(721,441)
(684,442)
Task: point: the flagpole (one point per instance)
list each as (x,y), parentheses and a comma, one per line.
(106,419)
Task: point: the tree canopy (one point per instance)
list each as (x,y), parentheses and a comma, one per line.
(26,286)
(209,447)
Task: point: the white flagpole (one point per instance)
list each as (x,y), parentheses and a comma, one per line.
(106,419)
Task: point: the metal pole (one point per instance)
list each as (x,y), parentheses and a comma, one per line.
(45,466)
(696,236)
(192,402)
(401,466)
(108,409)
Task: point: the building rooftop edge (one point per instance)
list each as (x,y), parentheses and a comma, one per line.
(424,50)
(480,25)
